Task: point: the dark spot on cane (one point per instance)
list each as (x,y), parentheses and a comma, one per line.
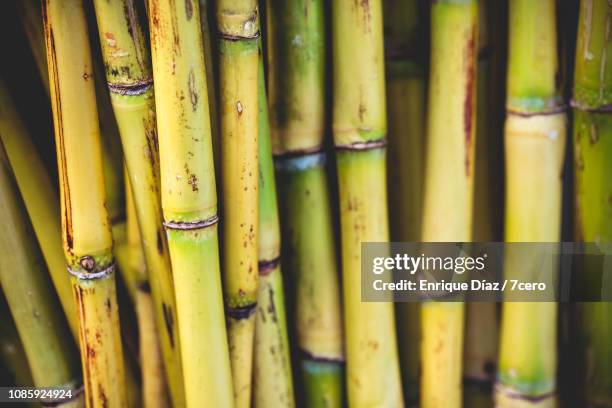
(193,91)
(87,263)
(169,322)
(103,397)
(144,287)
(160,242)
(188,9)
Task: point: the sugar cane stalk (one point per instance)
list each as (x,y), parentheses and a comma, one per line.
(132,269)
(130,82)
(49,348)
(40,200)
(189,200)
(298,115)
(405,85)
(272,378)
(85,223)
(449,178)
(31,16)
(481,325)
(238,31)
(534,144)
(592,103)
(359,129)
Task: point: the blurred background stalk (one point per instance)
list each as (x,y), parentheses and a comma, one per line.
(592,139)
(405,40)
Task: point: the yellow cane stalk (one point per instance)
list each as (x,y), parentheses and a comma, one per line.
(528,357)
(449,178)
(85,224)
(44,213)
(238,31)
(50,351)
(534,146)
(359,128)
(154,386)
(31,16)
(40,200)
(189,199)
(130,82)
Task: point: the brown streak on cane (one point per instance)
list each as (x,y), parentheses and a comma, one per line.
(51,56)
(468,103)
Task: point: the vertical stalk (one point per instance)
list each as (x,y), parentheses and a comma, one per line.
(189,200)
(481,326)
(31,16)
(534,143)
(50,352)
(130,82)
(485,163)
(359,129)
(40,200)
(313,264)
(128,332)
(41,203)
(406,111)
(273,383)
(85,224)
(154,384)
(449,179)
(592,103)
(405,86)
(238,31)
(297,62)
(480,353)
